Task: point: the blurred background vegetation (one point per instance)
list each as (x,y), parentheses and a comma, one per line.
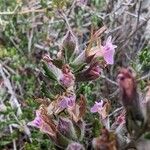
(31,28)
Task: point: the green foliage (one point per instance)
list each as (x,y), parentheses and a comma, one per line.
(59,4)
(147,136)
(49,73)
(144,59)
(96,127)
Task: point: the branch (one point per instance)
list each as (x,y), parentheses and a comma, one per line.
(23,12)
(109,80)
(144,77)
(13,99)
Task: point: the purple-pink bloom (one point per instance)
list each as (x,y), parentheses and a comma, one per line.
(67,101)
(37,122)
(98,106)
(67,80)
(109,51)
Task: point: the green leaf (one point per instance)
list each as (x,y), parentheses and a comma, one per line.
(58,63)
(48,73)
(46,92)
(3,143)
(147,136)
(62,141)
(96,128)
(78,68)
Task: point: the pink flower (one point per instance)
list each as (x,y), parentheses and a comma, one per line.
(98,107)
(37,122)
(67,101)
(67,80)
(108,51)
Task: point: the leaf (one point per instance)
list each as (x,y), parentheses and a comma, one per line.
(82,108)
(58,63)
(46,92)
(79,109)
(147,136)
(4,143)
(54,108)
(44,101)
(80,129)
(59,4)
(106,109)
(78,68)
(97,126)
(61,141)
(69,46)
(66,128)
(48,73)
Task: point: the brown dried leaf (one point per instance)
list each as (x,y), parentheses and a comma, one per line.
(54,108)
(82,108)
(106,109)
(44,101)
(100,31)
(79,110)
(45,123)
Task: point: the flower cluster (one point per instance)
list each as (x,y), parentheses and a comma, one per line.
(62,118)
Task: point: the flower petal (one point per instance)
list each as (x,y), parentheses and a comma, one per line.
(109,56)
(108,50)
(63,103)
(37,122)
(97,107)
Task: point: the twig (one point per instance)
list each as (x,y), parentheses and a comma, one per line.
(68,14)
(116,111)
(13,100)
(114,94)
(144,77)
(109,80)
(134,15)
(30,36)
(133,32)
(23,12)
(139,11)
(42,47)
(11,131)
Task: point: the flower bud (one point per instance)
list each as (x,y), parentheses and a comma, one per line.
(91,73)
(66,128)
(67,79)
(69,45)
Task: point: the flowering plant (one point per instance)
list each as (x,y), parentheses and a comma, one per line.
(62,116)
